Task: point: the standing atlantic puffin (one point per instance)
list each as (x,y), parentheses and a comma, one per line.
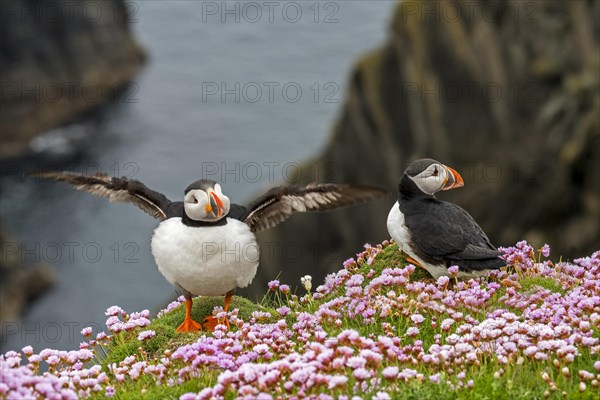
(205,245)
(436,234)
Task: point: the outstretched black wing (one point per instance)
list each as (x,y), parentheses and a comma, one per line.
(116,190)
(280,203)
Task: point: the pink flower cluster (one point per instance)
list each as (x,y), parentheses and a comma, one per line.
(129,322)
(171,306)
(66,377)
(370,331)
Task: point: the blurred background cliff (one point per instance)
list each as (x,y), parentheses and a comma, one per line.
(508,93)
(57,63)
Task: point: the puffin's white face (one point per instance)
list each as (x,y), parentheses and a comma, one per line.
(437,177)
(208,206)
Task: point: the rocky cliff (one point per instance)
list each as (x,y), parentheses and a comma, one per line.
(60,59)
(505,92)
(19,283)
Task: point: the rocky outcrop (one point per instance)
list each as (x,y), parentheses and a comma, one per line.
(505,92)
(19,282)
(60,59)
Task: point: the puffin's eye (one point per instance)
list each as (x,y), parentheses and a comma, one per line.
(435,171)
(195,199)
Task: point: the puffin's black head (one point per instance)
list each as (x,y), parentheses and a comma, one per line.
(204,201)
(430,176)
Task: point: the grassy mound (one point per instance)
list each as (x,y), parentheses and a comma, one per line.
(378,328)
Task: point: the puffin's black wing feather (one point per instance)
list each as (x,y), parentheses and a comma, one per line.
(473,252)
(237,211)
(116,190)
(445,232)
(281,202)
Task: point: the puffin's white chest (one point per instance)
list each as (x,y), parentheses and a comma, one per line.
(400,233)
(208,261)
(397,228)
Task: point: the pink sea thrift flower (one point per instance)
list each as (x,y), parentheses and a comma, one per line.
(443,281)
(382,396)
(113,311)
(412,331)
(390,372)
(453,270)
(545,250)
(337,381)
(361,374)
(145,335)
(109,391)
(283,311)
(27,350)
(284,289)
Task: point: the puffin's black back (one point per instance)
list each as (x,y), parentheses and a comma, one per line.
(444,232)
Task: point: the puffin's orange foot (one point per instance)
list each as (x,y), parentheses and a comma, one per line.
(189,325)
(414,262)
(211,322)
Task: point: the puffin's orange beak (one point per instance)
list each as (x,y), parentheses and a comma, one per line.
(454,180)
(216,205)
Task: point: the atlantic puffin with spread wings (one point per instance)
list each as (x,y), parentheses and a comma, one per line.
(205,245)
(436,234)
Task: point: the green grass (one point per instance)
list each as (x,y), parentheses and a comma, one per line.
(145,388)
(522,381)
(165,328)
(126,344)
(531,283)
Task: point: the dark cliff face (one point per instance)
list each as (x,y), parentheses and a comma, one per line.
(19,284)
(505,92)
(60,59)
